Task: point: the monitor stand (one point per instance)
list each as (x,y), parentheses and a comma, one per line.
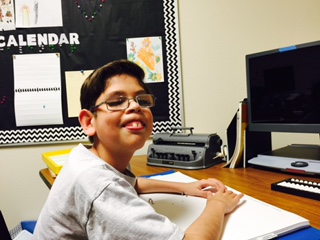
(295,158)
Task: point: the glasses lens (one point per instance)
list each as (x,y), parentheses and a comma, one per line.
(121,103)
(145,100)
(117,103)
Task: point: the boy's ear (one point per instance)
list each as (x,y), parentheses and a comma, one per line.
(86,119)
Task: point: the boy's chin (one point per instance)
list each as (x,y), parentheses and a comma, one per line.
(138,144)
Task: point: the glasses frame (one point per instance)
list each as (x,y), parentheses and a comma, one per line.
(128,100)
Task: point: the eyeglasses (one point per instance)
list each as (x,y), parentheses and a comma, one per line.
(122,103)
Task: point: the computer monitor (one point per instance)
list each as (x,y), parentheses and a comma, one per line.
(283,87)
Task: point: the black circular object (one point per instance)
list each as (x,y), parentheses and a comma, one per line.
(299,164)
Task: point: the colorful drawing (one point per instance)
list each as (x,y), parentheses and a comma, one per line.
(25,15)
(147,53)
(38,13)
(6,15)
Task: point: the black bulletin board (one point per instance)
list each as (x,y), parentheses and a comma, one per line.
(103,27)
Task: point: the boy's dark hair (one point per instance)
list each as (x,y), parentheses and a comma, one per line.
(97,81)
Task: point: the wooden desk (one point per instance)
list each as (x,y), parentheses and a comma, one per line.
(253,182)
(46,177)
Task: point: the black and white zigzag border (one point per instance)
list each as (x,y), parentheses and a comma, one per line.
(173,67)
(31,136)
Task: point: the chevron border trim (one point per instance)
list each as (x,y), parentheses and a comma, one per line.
(173,67)
(42,135)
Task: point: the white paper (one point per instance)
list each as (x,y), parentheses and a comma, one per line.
(24,235)
(37,86)
(38,13)
(74,81)
(60,159)
(252,218)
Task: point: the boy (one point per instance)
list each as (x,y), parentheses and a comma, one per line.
(95,196)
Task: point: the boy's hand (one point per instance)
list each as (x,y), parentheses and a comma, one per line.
(201,187)
(226,197)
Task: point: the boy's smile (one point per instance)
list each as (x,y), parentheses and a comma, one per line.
(135,125)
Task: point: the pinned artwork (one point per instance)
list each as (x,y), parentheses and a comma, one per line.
(147,52)
(38,13)
(6,15)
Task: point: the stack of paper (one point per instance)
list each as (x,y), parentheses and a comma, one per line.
(252,219)
(237,158)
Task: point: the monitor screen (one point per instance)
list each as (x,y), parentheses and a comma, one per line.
(283,87)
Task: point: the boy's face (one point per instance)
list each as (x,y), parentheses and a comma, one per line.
(124,130)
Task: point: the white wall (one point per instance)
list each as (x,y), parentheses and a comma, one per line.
(215,36)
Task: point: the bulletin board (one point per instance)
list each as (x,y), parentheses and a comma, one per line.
(47,50)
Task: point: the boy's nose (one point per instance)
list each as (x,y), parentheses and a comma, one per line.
(133,105)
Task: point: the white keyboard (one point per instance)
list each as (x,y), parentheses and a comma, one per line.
(299,187)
